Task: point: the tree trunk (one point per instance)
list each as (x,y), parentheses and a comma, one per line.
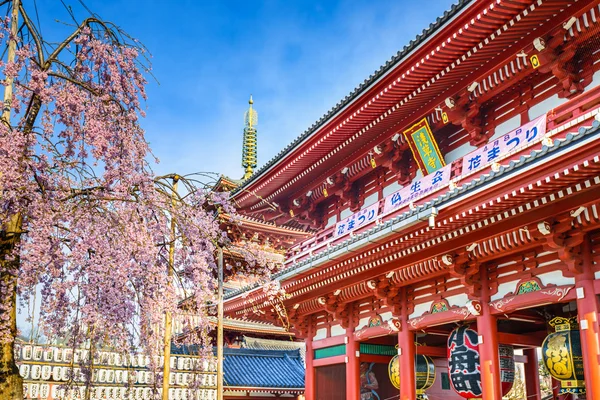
(11,383)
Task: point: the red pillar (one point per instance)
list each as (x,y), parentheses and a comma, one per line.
(352,361)
(406,350)
(489,358)
(309,377)
(532,375)
(587,311)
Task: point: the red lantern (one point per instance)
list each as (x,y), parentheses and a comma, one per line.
(464,366)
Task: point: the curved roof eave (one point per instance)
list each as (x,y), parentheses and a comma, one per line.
(455,10)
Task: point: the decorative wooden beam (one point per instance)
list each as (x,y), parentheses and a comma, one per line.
(531,339)
(432,351)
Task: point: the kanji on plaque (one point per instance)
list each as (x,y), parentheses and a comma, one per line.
(424,147)
(498,148)
(357,220)
(417,189)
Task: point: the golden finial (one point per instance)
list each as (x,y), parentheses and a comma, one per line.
(249,159)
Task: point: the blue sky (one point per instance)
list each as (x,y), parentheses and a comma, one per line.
(297,58)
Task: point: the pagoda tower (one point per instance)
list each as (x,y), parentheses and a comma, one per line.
(249,159)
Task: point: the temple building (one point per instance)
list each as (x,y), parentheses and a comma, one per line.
(441,223)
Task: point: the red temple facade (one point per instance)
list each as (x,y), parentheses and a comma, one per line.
(452,206)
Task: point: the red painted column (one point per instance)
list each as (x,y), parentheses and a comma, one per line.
(587,311)
(532,375)
(309,377)
(352,361)
(406,351)
(487,327)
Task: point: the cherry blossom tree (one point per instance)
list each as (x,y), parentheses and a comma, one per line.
(110,248)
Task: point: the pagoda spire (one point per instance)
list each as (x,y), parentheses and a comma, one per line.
(250,144)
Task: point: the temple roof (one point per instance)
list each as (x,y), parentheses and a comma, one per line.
(270,344)
(511,169)
(427,33)
(263,368)
(268,369)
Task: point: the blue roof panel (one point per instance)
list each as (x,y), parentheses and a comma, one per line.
(252,368)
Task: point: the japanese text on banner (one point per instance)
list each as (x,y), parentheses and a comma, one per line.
(417,189)
(357,220)
(520,137)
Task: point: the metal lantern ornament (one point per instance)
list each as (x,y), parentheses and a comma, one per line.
(424,371)
(562,355)
(464,367)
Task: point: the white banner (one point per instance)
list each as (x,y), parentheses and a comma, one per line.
(520,137)
(357,220)
(417,189)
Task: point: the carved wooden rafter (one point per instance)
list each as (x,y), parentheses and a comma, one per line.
(558,59)
(467,113)
(565,240)
(342,312)
(466,268)
(395,156)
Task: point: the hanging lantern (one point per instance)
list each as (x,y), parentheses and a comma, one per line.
(464,366)
(562,355)
(507,367)
(424,371)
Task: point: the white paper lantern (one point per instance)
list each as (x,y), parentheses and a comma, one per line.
(55,393)
(44,390)
(77,356)
(17,352)
(27,352)
(178,394)
(58,354)
(47,354)
(67,355)
(24,370)
(172,362)
(64,373)
(46,372)
(36,372)
(110,378)
(133,361)
(38,351)
(34,390)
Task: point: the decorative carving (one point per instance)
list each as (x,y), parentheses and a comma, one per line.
(474,307)
(558,292)
(566,241)
(466,268)
(439,306)
(375,321)
(500,304)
